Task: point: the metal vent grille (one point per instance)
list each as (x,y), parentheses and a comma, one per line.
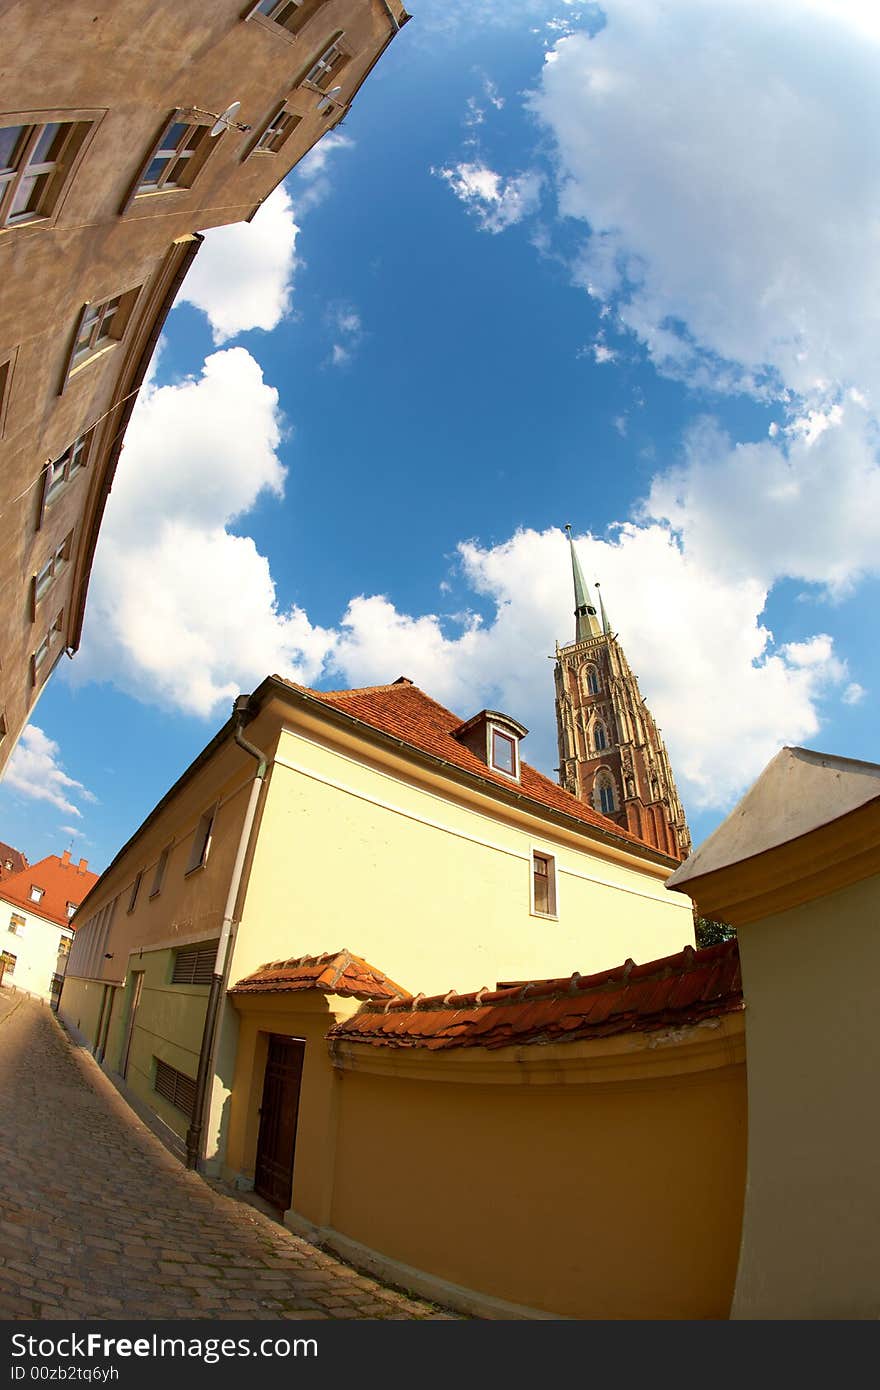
(176,1088)
(194,965)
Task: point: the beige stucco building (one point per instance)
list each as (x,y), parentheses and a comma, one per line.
(109,172)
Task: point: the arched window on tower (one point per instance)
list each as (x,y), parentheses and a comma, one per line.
(603,793)
(600,738)
(590,679)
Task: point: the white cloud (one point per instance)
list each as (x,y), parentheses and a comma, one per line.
(602,353)
(242,277)
(730,182)
(311,178)
(348,330)
(72,831)
(496,202)
(181,611)
(854,694)
(804,506)
(35,770)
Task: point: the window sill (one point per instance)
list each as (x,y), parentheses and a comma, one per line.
(197,869)
(87,361)
(544,916)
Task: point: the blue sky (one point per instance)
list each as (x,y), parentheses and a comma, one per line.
(615,266)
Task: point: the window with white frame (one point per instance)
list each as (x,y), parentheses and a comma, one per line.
(324,71)
(177,156)
(288,15)
(99,328)
(64,945)
(17,924)
(46,577)
(36,161)
(281,125)
(543,884)
(71,909)
(503,753)
(66,466)
(8,960)
(201,844)
(46,647)
(36,893)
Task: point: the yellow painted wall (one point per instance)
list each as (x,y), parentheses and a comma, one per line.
(589,1201)
(811,1226)
(430,889)
(81,1005)
(589,1198)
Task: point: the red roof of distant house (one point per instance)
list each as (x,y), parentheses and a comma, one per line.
(677,990)
(61,880)
(337,972)
(14,858)
(407,713)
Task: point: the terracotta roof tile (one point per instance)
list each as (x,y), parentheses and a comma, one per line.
(14,858)
(63,881)
(407,713)
(336,972)
(677,990)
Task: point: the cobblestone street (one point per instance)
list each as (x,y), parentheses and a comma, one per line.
(99,1220)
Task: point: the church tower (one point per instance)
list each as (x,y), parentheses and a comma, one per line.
(611,754)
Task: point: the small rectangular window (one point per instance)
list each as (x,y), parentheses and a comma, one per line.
(64,945)
(98,328)
(133,896)
(543,884)
(8,960)
(175,1087)
(17,924)
(159,875)
(175,158)
(36,893)
(288,15)
(323,73)
(36,161)
(53,567)
(503,752)
(7,363)
(71,909)
(194,965)
(201,845)
(45,650)
(281,125)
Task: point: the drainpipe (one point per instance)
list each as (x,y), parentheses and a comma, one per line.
(241,715)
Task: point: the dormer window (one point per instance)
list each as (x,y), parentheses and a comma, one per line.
(494,738)
(36,893)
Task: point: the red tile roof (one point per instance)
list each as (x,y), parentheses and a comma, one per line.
(337,972)
(677,990)
(62,882)
(407,713)
(17,860)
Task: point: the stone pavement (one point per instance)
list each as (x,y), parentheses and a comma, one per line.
(98,1219)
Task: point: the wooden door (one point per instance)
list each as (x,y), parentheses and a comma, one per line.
(273,1175)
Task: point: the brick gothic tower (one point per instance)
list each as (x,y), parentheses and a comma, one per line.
(611,754)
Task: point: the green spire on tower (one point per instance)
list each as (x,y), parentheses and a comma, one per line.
(606,626)
(586,621)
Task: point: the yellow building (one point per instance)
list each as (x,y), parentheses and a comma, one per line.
(373,819)
(796,869)
(111,165)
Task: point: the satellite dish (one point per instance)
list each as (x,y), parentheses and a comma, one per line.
(227,120)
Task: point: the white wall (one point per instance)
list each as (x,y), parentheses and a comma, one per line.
(35,950)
